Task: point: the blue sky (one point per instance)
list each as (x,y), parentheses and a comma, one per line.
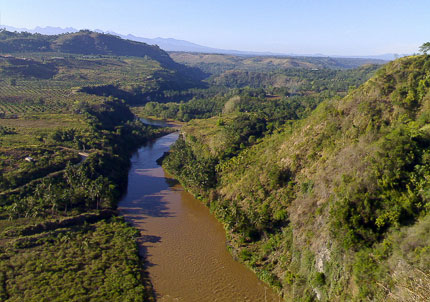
(332,27)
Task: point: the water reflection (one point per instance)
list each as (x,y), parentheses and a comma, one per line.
(184,245)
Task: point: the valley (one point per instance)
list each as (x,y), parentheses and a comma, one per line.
(327,203)
(282,178)
(183,244)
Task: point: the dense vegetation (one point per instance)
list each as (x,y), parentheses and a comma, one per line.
(93,63)
(275,86)
(64,159)
(280,96)
(110,137)
(86,261)
(297,81)
(59,205)
(322,184)
(28,85)
(332,207)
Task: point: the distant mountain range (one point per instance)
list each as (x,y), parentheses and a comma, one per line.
(170,44)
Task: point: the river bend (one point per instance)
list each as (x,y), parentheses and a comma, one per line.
(183,244)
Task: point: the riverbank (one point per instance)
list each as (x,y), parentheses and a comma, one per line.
(183,244)
(56,234)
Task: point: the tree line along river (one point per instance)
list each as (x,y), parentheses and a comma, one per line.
(182,242)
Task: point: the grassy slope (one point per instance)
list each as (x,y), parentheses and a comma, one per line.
(334,206)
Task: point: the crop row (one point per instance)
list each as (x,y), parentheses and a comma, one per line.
(14,108)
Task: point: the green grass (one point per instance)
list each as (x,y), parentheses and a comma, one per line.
(33,129)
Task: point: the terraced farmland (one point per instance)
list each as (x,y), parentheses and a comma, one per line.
(39,96)
(45,82)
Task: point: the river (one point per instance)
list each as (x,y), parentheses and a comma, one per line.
(182,242)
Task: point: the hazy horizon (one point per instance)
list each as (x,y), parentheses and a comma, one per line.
(333,28)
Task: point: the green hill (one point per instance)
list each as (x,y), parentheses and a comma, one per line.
(61,139)
(219,63)
(82,42)
(91,46)
(334,207)
(34,67)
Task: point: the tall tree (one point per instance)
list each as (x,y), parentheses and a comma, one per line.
(425,47)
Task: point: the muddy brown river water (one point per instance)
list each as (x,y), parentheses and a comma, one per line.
(183,243)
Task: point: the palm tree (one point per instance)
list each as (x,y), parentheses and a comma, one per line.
(96,189)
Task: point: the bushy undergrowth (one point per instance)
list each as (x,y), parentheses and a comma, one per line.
(91,262)
(50,251)
(332,207)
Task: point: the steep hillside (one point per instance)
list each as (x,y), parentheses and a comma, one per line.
(57,77)
(333,207)
(86,42)
(93,45)
(82,42)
